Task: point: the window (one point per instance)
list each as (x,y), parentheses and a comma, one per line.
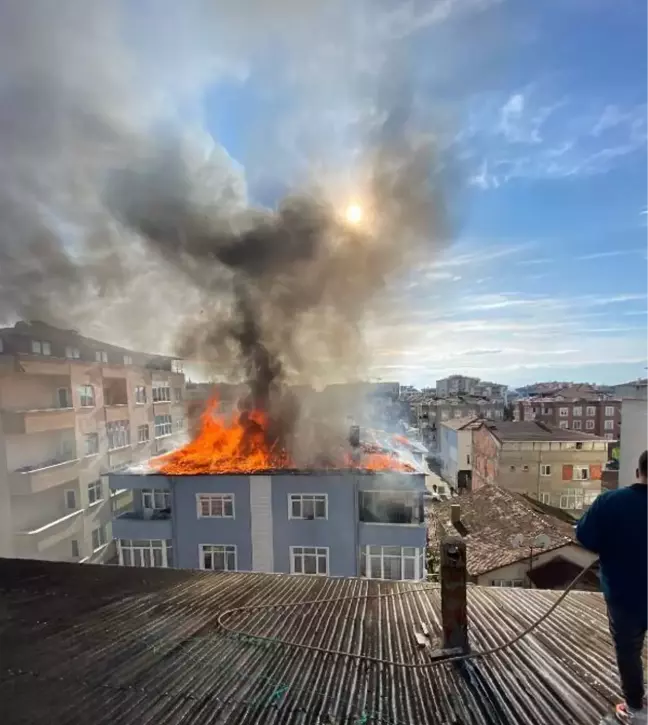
(307,506)
(215,505)
(609,425)
(72,352)
(101,356)
(161,391)
(589,497)
(391,507)
(309,560)
(156,499)
(142,433)
(577,425)
(609,436)
(177,366)
(563,412)
(564,424)
(546,411)
(118,434)
(589,424)
(177,395)
(545,497)
(86,396)
(75,548)
(163,425)
(92,444)
(507,582)
(581,473)
(525,468)
(457,414)
(217,558)
(467,459)
(63,398)
(94,492)
(140,394)
(41,348)
(128,360)
(609,411)
(145,552)
(545,469)
(179,424)
(98,538)
(577,411)
(392,562)
(573,499)
(512,469)
(591,411)
(70,499)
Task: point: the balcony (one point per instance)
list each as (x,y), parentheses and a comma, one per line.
(37,421)
(133,524)
(33,479)
(36,541)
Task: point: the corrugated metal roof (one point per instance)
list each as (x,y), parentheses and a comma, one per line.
(100,645)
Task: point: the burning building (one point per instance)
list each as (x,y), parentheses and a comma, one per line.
(228,502)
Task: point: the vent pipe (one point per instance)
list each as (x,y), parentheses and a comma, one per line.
(454,607)
(455,513)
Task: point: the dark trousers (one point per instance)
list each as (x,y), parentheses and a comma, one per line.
(629,633)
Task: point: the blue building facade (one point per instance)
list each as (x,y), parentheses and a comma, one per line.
(333,524)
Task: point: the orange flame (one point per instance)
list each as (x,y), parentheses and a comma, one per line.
(240,445)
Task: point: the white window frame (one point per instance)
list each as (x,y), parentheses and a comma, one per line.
(163,546)
(163,426)
(101,356)
(299,553)
(177,395)
(224,550)
(140,395)
(563,412)
(41,347)
(156,499)
(128,360)
(144,428)
(609,436)
(118,431)
(309,499)
(67,493)
(84,396)
(563,424)
(517,583)
(609,411)
(577,425)
(589,497)
(101,538)
(590,412)
(589,425)
(608,425)
(93,487)
(545,469)
(94,437)
(577,411)
(572,500)
(369,553)
(177,366)
(545,497)
(73,353)
(161,391)
(583,470)
(215,503)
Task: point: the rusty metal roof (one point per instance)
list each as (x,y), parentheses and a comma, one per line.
(490,517)
(105,645)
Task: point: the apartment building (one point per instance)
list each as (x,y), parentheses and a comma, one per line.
(455,384)
(334,524)
(72,408)
(600,415)
(558,467)
(455,450)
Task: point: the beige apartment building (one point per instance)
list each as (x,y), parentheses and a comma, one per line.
(559,467)
(72,409)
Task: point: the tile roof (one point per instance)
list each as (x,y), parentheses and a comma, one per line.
(490,518)
(467,421)
(536,431)
(106,645)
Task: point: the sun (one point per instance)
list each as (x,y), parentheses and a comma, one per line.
(353,214)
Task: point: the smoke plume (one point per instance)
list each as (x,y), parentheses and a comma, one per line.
(116,222)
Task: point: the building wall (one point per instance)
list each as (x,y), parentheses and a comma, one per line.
(633,439)
(448,444)
(485,457)
(602,416)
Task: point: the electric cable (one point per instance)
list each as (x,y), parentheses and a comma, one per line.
(379,660)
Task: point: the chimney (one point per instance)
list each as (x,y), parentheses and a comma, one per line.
(454,609)
(455,513)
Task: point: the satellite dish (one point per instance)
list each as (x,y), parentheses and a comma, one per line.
(541,541)
(517,541)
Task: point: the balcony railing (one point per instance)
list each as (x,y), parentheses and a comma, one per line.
(37,421)
(40,477)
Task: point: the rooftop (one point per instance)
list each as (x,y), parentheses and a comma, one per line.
(104,645)
(467,421)
(533,430)
(490,518)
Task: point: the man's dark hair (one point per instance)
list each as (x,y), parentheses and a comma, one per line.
(643,464)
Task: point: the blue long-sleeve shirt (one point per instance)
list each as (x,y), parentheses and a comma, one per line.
(616,528)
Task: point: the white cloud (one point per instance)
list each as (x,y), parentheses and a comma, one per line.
(609,253)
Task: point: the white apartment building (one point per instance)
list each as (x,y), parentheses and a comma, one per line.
(72,409)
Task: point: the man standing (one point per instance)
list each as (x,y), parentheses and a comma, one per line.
(616,528)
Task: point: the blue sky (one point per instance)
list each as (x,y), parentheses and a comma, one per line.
(542,108)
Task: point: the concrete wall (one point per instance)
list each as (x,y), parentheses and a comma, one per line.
(634,436)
